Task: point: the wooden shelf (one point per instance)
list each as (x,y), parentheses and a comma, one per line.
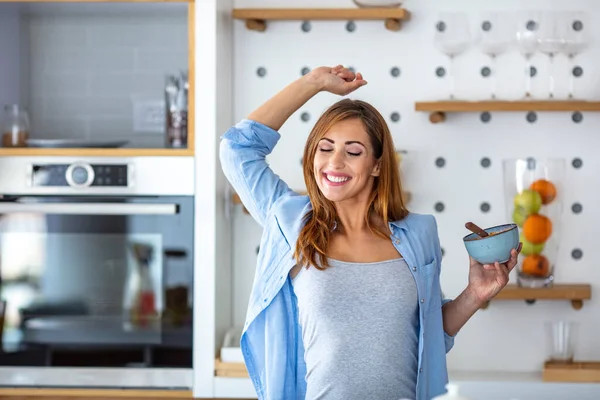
(230,369)
(256,17)
(575,293)
(96,1)
(438,109)
(235,198)
(103,394)
(93,152)
(580,372)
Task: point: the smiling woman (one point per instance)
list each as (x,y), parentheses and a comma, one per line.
(347,278)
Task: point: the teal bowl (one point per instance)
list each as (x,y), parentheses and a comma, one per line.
(496,247)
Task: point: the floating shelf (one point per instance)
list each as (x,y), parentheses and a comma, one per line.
(235,198)
(230,369)
(93,152)
(575,293)
(438,109)
(256,17)
(96,1)
(581,372)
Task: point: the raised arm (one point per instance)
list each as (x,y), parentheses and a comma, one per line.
(245,146)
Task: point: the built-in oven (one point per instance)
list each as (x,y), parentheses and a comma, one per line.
(96,262)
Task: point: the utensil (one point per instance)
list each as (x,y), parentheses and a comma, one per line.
(475,229)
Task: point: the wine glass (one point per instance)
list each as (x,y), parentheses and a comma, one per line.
(552,40)
(494,38)
(452,37)
(527,36)
(577,39)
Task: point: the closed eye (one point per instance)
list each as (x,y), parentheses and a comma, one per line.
(354,154)
(326,150)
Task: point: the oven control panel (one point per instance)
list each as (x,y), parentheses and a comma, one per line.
(80,175)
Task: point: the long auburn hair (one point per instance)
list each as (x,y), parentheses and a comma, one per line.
(385,201)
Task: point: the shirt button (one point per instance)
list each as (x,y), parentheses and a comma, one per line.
(420,369)
(414,268)
(422,300)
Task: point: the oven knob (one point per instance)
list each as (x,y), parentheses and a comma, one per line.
(79,175)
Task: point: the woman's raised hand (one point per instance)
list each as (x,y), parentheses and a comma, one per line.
(337,80)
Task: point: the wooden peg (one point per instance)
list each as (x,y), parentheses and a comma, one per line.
(577,304)
(393,25)
(437,117)
(256,25)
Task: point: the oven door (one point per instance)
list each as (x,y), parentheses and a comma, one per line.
(97,281)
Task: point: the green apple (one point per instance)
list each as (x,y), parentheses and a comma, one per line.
(519,216)
(529,200)
(530,248)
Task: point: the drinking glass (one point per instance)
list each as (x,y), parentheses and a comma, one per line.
(577,39)
(452,37)
(527,35)
(496,33)
(561,337)
(552,40)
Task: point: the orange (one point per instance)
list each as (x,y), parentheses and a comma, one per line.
(537,228)
(545,188)
(536,265)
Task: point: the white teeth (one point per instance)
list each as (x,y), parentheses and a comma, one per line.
(337,178)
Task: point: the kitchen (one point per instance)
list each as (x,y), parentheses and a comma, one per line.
(96,72)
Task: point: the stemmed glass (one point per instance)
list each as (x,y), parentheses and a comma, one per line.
(527,35)
(552,40)
(577,40)
(452,37)
(495,36)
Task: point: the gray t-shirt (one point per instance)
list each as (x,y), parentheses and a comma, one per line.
(360,330)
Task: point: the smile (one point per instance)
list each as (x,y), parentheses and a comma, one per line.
(336,179)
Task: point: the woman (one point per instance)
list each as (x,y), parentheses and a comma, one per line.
(346,302)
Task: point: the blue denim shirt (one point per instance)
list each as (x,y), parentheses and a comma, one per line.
(271,341)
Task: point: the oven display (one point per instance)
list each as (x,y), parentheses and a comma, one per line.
(80,175)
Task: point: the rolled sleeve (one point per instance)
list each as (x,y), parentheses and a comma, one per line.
(243,151)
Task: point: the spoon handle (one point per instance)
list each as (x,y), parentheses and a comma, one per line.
(475,229)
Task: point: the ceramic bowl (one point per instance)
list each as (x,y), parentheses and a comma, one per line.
(495,247)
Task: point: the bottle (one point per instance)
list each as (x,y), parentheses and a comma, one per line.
(140,297)
(15,126)
(451,393)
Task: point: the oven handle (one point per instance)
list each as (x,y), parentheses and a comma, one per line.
(90,208)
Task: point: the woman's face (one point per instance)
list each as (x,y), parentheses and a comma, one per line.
(344,164)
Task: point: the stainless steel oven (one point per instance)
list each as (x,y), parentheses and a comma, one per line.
(96,262)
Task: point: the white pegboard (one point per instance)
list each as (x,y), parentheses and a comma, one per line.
(508,335)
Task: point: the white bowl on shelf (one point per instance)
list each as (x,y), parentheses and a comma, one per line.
(231,351)
(378,3)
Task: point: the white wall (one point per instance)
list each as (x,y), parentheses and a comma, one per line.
(89,63)
(508,335)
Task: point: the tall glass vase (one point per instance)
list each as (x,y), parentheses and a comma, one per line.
(533,197)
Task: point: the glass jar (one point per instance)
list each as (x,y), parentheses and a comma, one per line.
(533,190)
(15,126)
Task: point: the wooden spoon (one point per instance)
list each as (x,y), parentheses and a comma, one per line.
(475,229)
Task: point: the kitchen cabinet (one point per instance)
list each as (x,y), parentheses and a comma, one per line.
(97,82)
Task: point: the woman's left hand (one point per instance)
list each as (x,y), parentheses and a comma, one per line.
(485,281)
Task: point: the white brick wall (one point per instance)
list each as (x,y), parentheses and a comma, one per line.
(87,69)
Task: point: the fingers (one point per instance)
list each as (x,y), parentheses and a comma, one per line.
(514,257)
(346,74)
(502,270)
